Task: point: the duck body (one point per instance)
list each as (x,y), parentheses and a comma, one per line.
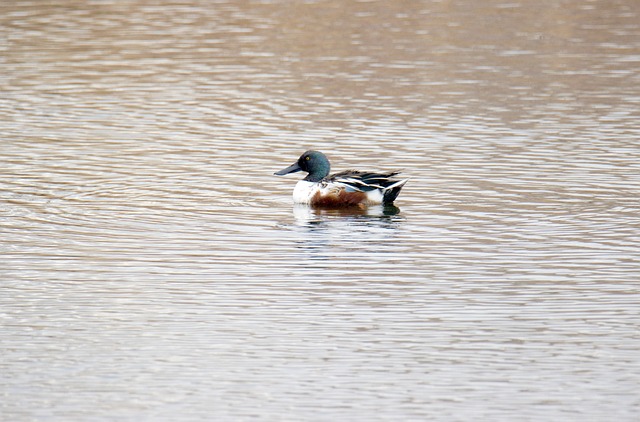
(344,189)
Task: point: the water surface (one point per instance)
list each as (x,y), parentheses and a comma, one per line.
(153,268)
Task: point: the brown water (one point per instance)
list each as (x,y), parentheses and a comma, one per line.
(153,268)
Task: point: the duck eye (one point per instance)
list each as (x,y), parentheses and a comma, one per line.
(307,158)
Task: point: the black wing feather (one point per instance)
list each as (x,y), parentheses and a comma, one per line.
(363,181)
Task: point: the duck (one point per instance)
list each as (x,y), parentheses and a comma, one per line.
(350,188)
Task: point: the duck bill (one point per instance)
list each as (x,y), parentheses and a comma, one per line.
(291,169)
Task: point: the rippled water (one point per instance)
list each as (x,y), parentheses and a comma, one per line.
(153,268)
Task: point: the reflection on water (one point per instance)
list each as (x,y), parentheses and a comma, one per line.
(153,268)
(305,214)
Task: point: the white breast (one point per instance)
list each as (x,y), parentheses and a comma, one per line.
(304,191)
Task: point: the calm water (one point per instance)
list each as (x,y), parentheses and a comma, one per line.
(153,268)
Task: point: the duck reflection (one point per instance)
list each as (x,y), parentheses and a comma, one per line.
(326,234)
(305,215)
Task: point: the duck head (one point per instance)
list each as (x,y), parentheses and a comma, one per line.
(313,162)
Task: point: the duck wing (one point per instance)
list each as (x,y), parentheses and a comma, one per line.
(363,181)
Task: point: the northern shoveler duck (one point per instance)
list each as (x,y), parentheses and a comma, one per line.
(344,189)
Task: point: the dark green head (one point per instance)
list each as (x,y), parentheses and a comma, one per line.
(313,162)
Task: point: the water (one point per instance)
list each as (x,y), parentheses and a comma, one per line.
(154,269)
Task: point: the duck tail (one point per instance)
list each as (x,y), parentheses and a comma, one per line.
(391,192)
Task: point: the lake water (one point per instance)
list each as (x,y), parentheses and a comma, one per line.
(153,268)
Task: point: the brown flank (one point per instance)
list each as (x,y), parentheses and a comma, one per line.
(340,199)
